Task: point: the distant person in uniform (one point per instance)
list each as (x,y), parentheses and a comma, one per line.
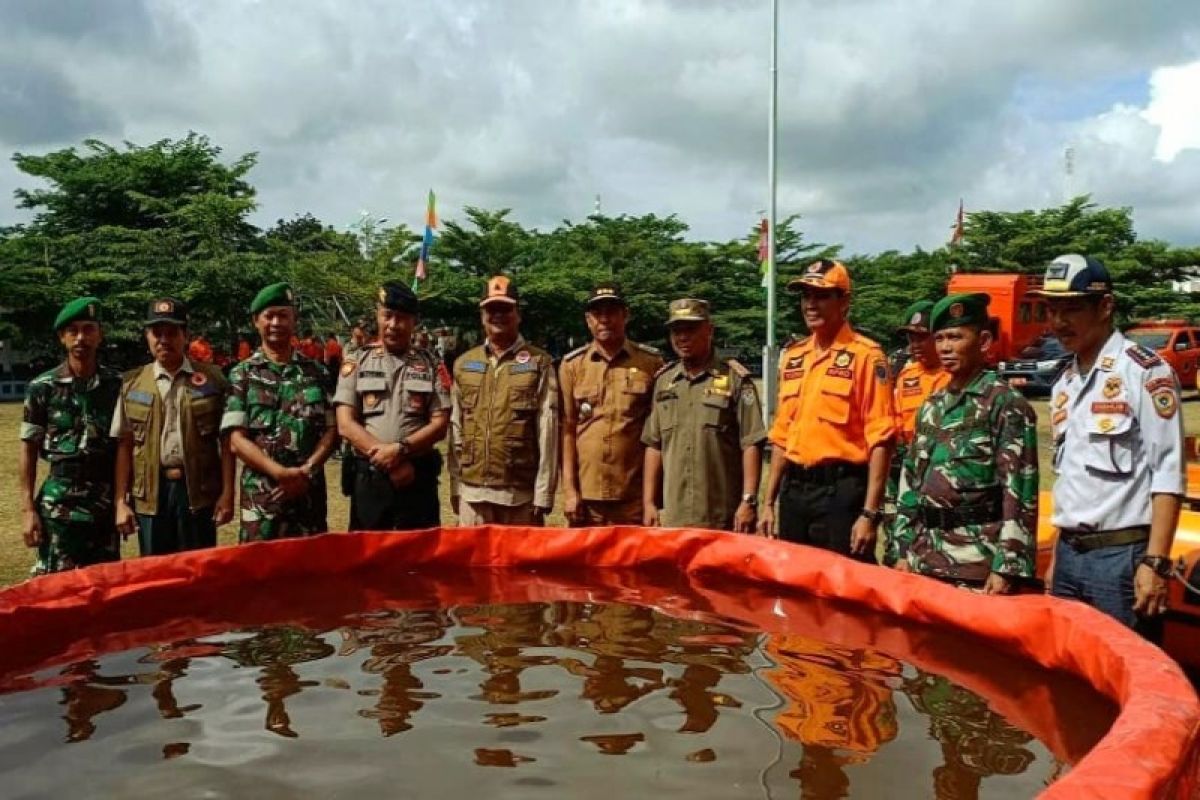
(281,425)
(504,427)
(333,355)
(606,389)
(920,377)
(834,426)
(360,337)
(171,462)
(968,500)
(1118,452)
(704,434)
(65,421)
(393,406)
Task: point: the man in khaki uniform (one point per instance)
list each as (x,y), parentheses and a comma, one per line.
(171,461)
(704,433)
(393,406)
(606,398)
(504,423)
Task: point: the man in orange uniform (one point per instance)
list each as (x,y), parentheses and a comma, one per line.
(834,426)
(922,376)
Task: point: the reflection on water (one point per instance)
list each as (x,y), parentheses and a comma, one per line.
(545,690)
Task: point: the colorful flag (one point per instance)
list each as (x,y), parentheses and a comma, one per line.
(957,236)
(764,249)
(431,223)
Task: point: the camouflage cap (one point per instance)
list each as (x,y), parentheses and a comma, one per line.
(277,294)
(81,308)
(687,309)
(1074,275)
(166,309)
(955,310)
(398,297)
(916,317)
(605,292)
(822,274)
(500,289)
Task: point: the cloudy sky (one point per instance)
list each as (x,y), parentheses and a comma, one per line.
(890,110)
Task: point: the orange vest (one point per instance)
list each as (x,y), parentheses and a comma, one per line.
(914,383)
(836,405)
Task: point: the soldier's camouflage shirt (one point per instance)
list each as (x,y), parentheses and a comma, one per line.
(970,447)
(284,410)
(70,421)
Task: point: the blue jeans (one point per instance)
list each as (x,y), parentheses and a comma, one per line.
(1103,578)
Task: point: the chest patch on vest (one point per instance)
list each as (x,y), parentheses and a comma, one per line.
(523,366)
(141,398)
(474,366)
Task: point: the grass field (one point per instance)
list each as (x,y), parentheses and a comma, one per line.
(15,558)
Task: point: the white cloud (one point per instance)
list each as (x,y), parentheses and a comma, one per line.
(1175,109)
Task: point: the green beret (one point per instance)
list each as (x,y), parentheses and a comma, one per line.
(959,309)
(916,317)
(81,308)
(277,294)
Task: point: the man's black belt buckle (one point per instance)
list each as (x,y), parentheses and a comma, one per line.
(1083,541)
(940,518)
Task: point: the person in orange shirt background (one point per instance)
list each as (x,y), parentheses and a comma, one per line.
(834,426)
(921,376)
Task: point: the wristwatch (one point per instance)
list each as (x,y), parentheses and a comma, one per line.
(750,499)
(1162,565)
(404,448)
(872,515)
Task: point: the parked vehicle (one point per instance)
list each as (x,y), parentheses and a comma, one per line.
(1037,366)
(1021,318)
(1176,341)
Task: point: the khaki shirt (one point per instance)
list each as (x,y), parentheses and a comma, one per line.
(702,425)
(545,483)
(394,395)
(170,448)
(608,401)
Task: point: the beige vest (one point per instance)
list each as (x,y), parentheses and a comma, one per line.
(201,402)
(499,406)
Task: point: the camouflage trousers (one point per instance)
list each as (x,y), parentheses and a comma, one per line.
(264,519)
(78,525)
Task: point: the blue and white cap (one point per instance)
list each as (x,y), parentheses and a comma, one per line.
(1074,275)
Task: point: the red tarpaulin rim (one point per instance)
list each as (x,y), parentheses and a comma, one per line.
(1150,751)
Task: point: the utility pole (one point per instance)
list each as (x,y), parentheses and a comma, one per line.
(1068,174)
(770,350)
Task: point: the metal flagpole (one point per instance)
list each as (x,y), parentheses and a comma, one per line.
(769,351)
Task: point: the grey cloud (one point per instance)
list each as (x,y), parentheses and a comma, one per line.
(38,106)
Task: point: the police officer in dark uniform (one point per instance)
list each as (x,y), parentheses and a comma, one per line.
(393,406)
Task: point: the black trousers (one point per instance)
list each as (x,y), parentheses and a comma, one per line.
(376,505)
(175,527)
(820,510)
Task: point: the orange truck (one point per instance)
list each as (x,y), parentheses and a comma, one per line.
(1022,318)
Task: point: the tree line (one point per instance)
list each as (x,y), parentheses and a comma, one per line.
(132,222)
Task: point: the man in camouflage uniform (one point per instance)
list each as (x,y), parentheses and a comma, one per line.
(67,414)
(281,425)
(393,406)
(967,511)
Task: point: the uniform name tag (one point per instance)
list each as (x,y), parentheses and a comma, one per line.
(141,398)
(840,372)
(528,366)
(792,374)
(474,366)
(1114,407)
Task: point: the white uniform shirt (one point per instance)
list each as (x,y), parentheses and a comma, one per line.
(1118,438)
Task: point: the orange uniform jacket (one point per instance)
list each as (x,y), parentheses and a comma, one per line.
(836,406)
(914,383)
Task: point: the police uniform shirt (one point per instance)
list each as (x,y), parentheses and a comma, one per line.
(1118,438)
(702,424)
(396,395)
(170,446)
(608,401)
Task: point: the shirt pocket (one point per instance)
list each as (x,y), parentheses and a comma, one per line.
(635,395)
(585,401)
(372,395)
(713,411)
(417,393)
(833,404)
(262,402)
(312,404)
(139,421)
(1111,445)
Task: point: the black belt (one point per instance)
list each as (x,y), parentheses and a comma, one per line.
(1082,541)
(93,467)
(826,472)
(943,519)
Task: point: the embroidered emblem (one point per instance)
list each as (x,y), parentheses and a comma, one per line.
(163,307)
(748,396)
(721,384)
(843,359)
(348,369)
(1143,357)
(523,357)
(915,318)
(370,400)
(1160,383)
(1061,400)
(1112,386)
(474,366)
(1165,403)
(1059,417)
(956,310)
(840,372)
(199,379)
(1106,363)
(1105,425)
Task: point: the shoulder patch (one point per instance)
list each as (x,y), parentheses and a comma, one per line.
(348,368)
(666,366)
(736,367)
(645,348)
(1143,357)
(576,353)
